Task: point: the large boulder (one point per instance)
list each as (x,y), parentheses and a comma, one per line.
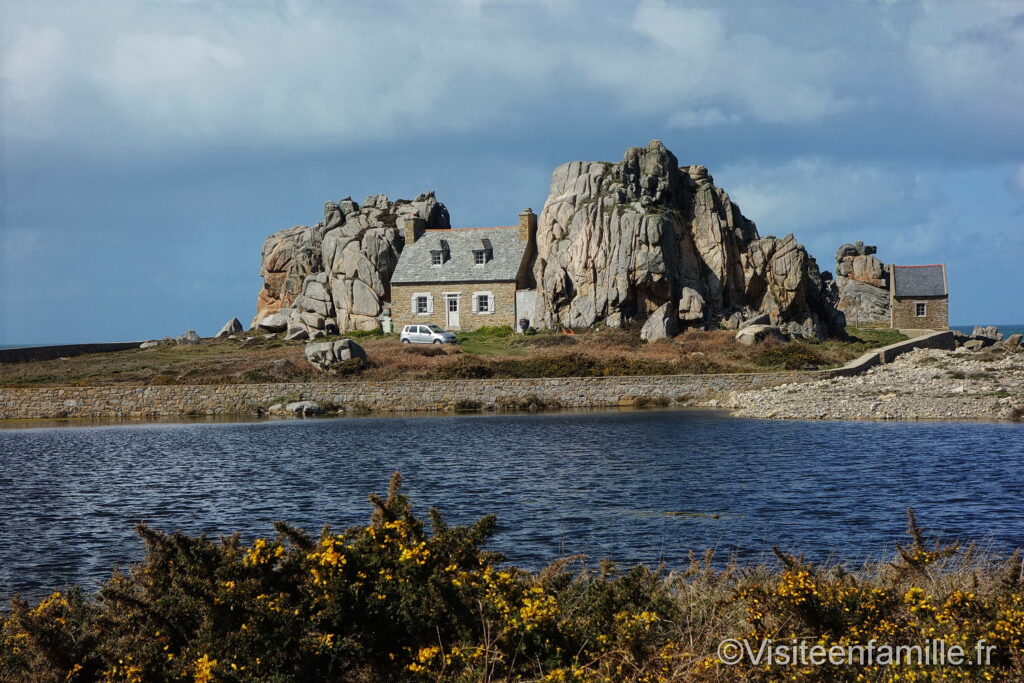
(691,305)
(861,287)
(752,334)
(661,324)
(617,241)
(341,267)
(323,355)
(233,326)
(986,332)
(190,337)
(1013,341)
(275,322)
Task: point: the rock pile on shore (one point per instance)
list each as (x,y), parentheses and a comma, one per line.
(924,384)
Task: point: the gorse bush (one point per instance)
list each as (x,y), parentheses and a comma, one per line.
(789,356)
(392,601)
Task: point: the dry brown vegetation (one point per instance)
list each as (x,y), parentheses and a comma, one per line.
(485,353)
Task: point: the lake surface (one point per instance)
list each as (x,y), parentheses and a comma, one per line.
(601,483)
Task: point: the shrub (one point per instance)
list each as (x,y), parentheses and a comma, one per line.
(164,378)
(530,403)
(467,405)
(789,356)
(352,366)
(650,402)
(392,601)
(493,331)
(426,350)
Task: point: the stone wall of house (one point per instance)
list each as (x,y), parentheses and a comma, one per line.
(936,318)
(249,399)
(503,302)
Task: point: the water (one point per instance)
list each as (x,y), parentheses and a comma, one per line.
(1007,330)
(600,483)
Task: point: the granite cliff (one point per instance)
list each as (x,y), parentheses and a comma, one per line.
(618,242)
(337,273)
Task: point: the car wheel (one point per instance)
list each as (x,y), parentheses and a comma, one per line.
(437,341)
(405,341)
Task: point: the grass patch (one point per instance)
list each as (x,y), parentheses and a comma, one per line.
(490,352)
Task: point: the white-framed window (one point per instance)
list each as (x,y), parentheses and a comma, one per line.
(436,258)
(422,303)
(920,309)
(479,257)
(483,303)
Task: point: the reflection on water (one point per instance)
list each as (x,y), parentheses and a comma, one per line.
(635,487)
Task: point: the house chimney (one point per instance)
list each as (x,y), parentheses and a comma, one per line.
(527,225)
(414,227)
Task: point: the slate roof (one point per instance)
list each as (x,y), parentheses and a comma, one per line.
(414,264)
(910,281)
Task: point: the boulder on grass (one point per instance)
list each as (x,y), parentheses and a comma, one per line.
(322,355)
(231,327)
(190,337)
(662,324)
(752,334)
(1014,341)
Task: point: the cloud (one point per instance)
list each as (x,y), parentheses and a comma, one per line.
(296,72)
(702,118)
(1017,181)
(813,194)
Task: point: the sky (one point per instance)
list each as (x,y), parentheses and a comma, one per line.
(149,147)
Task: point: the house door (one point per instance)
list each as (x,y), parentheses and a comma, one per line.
(453,311)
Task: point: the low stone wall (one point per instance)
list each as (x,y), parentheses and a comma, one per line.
(943,340)
(25,354)
(249,399)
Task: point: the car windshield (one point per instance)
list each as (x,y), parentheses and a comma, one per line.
(434,328)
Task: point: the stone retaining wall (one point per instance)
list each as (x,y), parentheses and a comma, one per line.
(120,401)
(26,354)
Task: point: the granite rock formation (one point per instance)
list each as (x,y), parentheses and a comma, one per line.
(336,275)
(861,287)
(617,241)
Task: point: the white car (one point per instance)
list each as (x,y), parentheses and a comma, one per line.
(425,334)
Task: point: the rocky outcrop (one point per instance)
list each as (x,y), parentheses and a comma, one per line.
(336,274)
(662,324)
(231,327)
(617,241)
(324,355)
(861,288)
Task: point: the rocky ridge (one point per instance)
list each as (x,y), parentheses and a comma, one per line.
(616,242)
(924,384)
(336,275)
(861,285)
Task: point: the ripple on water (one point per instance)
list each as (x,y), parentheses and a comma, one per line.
(597,483)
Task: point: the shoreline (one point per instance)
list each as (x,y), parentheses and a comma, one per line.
(917,379)
(923,384)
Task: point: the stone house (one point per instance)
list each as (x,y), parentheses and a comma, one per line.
(465,278)
(919,297)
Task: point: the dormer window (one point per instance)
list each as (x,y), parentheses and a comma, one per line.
(439,256)
(484,253)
